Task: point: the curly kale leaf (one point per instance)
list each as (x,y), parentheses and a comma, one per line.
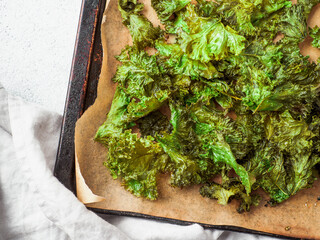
(153,124)
(282,163)
(308,5)
(232,12)
(127,8)
(273,77)
(293,24)
(142,80)
(141,29)
(241,14)
(117,117)
(290,96)
(138,161)
(205,38)
(179,63)
(315,34)
(296,68)
(166,8)
(182,147)
(208,38)
(186,170)
(216,89)
(213,130)
(225,194)
(220,152)
(292,167)
(292,81)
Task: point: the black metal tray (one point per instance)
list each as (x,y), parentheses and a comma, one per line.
(82,92)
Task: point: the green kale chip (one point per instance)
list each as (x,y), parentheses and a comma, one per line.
(208,38)
(166,8)
(308,5)
(142,80)
(225,194)
(180,146)
(153,124)
(223,98)
(117,119)
(178,63)
(315,34)
(138,161)
(141,29)
(296,158)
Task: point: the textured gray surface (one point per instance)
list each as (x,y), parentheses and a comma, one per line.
(37,40)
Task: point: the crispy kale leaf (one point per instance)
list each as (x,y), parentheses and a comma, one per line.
(166,8)
(137,161)
(241,14)
(141,29)
(153,124)
(117,119)
(204,38)
(315,34)
(208,38)
(294,142)
(293,24)
(181,146)
(225,194)
(214,131)
(212,42)
(142,80)
(308,5)
(178,63)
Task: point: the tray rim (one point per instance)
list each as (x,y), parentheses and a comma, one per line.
(74,108)
(64,168)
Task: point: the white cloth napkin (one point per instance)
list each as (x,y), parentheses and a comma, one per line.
(35,205)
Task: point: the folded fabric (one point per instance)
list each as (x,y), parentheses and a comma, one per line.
(35,205)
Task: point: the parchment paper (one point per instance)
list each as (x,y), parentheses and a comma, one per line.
(297,217)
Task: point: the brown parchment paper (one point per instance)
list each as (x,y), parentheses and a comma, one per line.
(297,217)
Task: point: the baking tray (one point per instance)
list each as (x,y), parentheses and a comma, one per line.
(81,94)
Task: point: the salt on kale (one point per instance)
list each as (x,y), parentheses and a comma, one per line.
(223,63)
